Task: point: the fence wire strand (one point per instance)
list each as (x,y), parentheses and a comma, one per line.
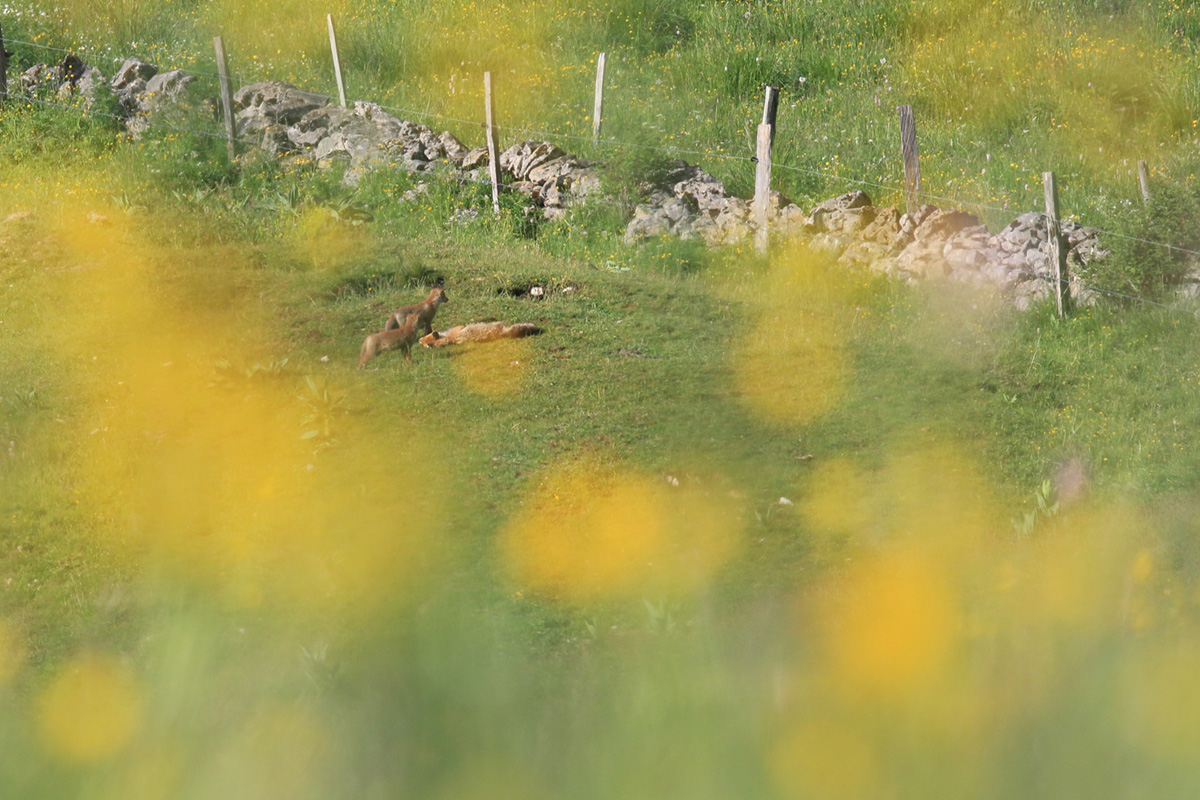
(617,144)
(111,59)
(150,122)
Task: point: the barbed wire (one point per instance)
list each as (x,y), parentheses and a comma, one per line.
(111,59)
(1145,241)
(701,154)
(1049,279)
(426,114)
(615,143)
(1113,293)
(573,201)
(959,202)
(149,119)
(237,77)
(461,178)
(1066,283)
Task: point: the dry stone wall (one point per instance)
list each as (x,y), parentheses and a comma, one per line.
(687,202)
(929,243)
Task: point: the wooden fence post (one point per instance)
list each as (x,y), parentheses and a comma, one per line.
(762,187)
(598,108)
(492,146)
(912,159)
(771,110)
(1058,248)
(1144,180)
(226,96)
(4,54)
(337,62)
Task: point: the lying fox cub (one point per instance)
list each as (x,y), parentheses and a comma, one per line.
(424,311)
(401,338)
(479,332)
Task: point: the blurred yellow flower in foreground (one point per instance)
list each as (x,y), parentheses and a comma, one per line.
(839,498)
(595,530)
(929,496)
(790,362)
(894,627)
(327,243)
(494,369)
(1085,573)
(206,444)
(90,711)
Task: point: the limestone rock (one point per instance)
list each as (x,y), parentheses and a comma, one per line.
(132,70)
(521,158)
(452,147)
(164,88)
(703,190)
(91,80)
(884,228)
(475,158)
(1029,292)
(38,76)
(260,105)
(71,69)
(942,223)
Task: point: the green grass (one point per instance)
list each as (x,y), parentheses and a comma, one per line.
(233,565)
(1002,92)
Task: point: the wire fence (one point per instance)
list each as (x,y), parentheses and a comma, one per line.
(149,119)
(95,57)
(617,144)
(613,143)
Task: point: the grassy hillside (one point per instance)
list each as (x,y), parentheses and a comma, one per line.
(1002,91)
(729,527)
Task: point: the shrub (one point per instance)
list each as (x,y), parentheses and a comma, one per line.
(1138,264)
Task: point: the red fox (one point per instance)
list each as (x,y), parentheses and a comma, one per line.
(424,311)
(401,338)
(479,332)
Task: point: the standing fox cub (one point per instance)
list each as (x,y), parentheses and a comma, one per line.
(424,311)
(401,338)
(479,332)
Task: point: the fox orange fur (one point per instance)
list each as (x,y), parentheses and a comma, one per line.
(424,311)
(479,332)
(401,338)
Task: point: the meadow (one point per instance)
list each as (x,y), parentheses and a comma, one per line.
(731,526)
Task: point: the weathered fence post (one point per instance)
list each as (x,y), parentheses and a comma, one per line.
(4,54)
(771,110)
(492,146)
(598,108)
(762,187)
(226,96)
(912,159)
(1144,180)
(1058,248)
(337,62)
